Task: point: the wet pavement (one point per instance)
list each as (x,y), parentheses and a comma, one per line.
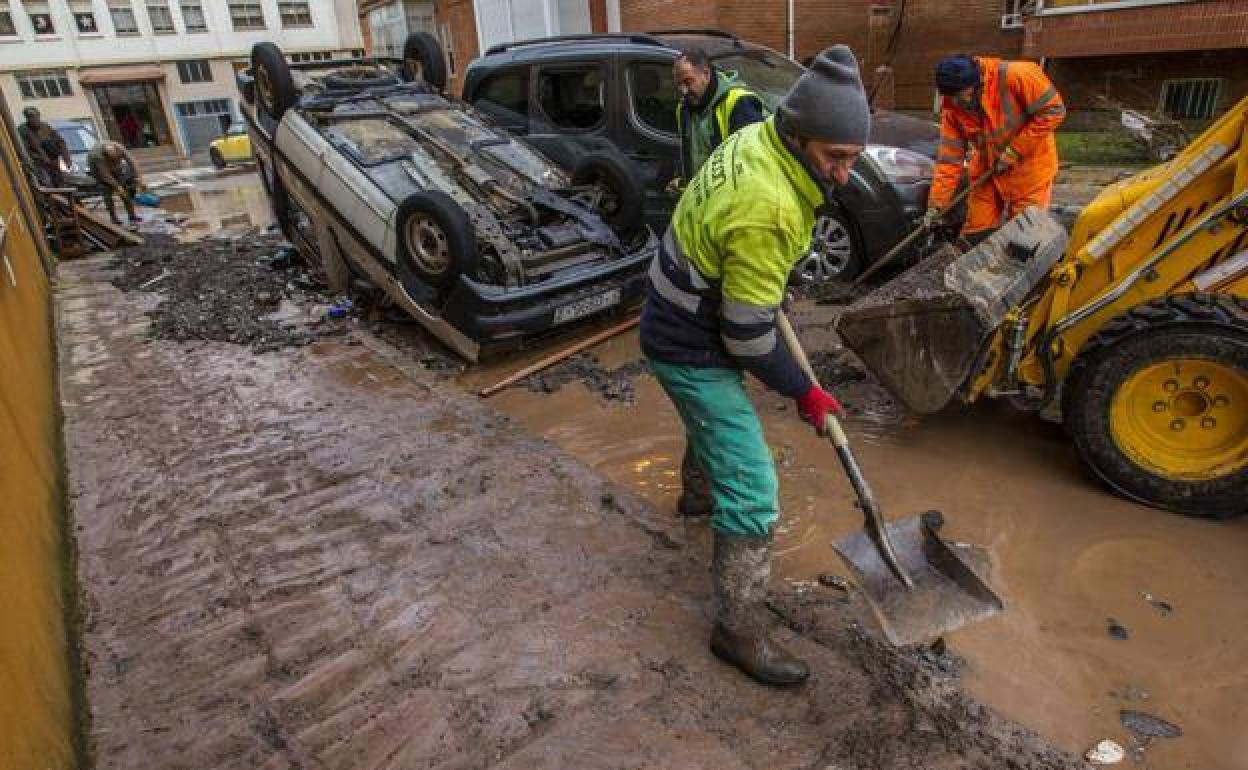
(1067,556)
(329,557)
(1072,561)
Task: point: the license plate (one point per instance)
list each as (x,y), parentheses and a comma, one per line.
(587,306)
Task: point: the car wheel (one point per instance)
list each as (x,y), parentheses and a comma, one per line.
(423,60)
(834,254)
(214,155)
(436,243)
(275,90)
(623,200)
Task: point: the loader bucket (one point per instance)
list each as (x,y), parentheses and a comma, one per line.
(922,333)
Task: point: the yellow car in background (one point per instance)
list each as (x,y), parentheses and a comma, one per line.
(233,147)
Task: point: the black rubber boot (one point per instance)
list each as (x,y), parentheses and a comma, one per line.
(695,487)
(740,567)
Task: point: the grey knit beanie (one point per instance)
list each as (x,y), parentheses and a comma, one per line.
(827,102)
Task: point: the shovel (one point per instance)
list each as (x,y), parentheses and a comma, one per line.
(918,585)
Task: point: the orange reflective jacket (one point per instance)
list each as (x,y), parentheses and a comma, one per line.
(1014,94)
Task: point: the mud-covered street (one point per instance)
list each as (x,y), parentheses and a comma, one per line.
(305,541)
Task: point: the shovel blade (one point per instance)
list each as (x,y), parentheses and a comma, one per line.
(947,594)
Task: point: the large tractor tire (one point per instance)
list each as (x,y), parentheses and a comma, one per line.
(1157,404)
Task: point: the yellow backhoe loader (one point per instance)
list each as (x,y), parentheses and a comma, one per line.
(1135,326)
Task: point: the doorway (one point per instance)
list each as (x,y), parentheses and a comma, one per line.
(133,114)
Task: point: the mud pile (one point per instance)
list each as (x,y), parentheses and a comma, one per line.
(924,281)
(609,384)
(224,289)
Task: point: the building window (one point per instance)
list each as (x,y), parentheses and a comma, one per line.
(1014,11)
(246,14)
(124,23)
(357,53)
(204,107)
(297,58)
(387,29)
(295,13)
(45,84)
(1191,98)
(7,28)
(572,97)
(653,96)
(193,16)
(195,71)
(84,17)
(448,45)
(40,18)
(160,16)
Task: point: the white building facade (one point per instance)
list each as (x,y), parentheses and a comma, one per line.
(156,75)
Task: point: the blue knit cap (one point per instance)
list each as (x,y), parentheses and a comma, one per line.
(955,73)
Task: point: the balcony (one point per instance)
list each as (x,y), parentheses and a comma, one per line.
(1077,28)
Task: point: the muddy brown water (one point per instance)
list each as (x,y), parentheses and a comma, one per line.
(233,200)
(1068,556)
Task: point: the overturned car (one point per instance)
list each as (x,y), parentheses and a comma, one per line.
(376,176)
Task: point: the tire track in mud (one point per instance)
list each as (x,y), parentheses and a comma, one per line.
(306,559)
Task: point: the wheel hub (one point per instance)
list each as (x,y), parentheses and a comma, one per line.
(831,252)
(1183,419)
(429,244)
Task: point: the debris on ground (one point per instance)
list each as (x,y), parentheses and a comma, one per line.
(1143,724)
(408,580)
(1130,693)
(609,384)
(1105,753)
(1117,631)
(1165,608)
(228,290)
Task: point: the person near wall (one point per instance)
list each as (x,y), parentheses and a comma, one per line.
(45,147)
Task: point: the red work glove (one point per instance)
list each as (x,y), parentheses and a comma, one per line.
(814,406)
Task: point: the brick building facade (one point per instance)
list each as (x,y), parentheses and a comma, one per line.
(1186,59)
(912,35)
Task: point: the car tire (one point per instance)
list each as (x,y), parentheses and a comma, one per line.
(214,155)
(359,78)
(423,60)
(436,243)
(275,89)
(835,254)
(625,206)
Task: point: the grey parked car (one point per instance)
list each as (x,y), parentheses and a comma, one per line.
(589,93)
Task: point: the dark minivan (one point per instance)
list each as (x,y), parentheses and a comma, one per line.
(572,95)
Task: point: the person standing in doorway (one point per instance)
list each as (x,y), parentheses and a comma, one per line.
(713,294)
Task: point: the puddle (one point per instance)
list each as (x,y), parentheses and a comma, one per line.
(1067,555)
(228,202)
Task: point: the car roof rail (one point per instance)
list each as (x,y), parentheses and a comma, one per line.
(709,32)
(642,39)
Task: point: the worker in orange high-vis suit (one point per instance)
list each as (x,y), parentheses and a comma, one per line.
(1004,114)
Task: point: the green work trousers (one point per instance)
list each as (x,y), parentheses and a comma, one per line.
(725,434)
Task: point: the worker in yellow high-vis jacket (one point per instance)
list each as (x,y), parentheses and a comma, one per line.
(710,315)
